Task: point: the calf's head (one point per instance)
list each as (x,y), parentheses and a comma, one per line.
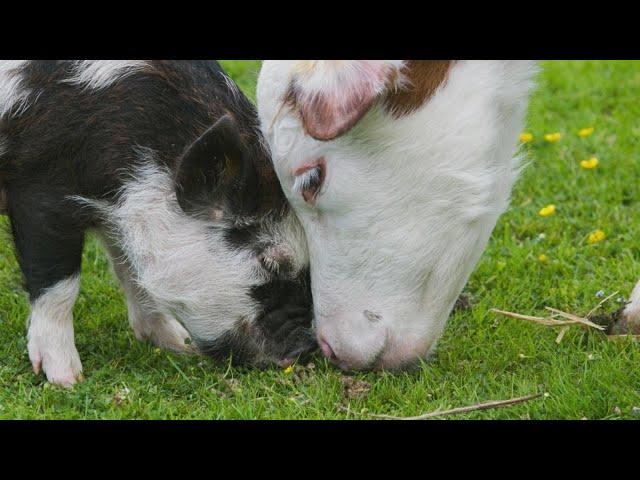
(398,171)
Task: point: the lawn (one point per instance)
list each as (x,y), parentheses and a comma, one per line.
(481,356)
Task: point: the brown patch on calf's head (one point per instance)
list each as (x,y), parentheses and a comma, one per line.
(335,104)
(423,77)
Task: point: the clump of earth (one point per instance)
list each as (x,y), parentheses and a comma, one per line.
(463,303)
(616,324)
(354,388)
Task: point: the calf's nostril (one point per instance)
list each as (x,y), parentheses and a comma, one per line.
(327,351)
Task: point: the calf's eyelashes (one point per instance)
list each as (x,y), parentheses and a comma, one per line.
(309,180)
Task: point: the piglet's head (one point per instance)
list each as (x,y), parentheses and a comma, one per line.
(225,178)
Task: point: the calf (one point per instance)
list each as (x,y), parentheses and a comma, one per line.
(398,171)
(164,160)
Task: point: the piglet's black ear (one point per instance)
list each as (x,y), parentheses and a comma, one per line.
(215,175)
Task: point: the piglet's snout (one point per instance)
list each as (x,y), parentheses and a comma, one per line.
(366,342)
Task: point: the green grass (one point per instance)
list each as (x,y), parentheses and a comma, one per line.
(481,357)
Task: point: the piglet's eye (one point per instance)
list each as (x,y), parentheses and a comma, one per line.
(309,180)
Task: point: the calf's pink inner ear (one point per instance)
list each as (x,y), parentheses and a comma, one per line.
(326,117)
(345,93)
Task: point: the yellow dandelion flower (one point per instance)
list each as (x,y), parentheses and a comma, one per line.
(585,132)
(553,137)
(548,210)
(156,351)
(526,137)
(590,163)
(542,258)
(595,237)
(289,369)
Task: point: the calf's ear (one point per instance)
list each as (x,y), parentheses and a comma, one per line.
(333,95)
(215,176)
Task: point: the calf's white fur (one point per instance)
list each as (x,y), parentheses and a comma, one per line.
(408,202)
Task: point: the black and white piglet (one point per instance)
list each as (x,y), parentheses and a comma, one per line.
(164,160)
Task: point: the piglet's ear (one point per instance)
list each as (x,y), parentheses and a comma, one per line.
(215,175)
(333,95)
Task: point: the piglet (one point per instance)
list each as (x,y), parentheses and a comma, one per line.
(165,162)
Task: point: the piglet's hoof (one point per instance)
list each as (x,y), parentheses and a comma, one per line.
(62,367)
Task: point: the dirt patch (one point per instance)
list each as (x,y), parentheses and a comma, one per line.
(463,303)
(303,373)
(354,388)
(121,395)
(297,374)
(227,388)
(616,324)
(609,320)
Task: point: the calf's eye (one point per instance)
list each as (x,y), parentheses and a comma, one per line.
(309,180)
